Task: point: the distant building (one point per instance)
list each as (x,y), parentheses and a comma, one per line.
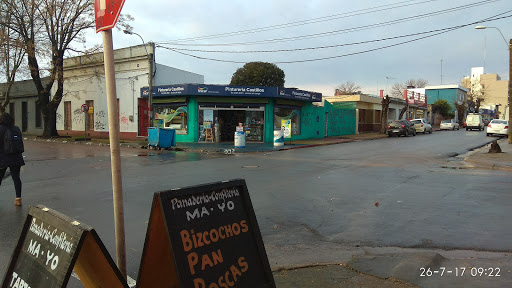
(451,93)
(494,90)
(22,105)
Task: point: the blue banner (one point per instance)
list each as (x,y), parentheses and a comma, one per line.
(231,91)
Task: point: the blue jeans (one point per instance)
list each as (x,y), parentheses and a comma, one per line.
(15,175)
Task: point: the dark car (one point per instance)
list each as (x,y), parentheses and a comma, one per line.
(401,127)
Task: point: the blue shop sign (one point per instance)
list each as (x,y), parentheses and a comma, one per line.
(231,91)
(240,91)
(296,94)
(162,91)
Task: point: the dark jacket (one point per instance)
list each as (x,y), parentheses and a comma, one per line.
(8,160)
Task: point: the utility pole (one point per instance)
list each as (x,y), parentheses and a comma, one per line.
(509,90)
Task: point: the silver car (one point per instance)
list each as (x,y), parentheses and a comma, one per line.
(449,125)
(497,127)
(422,126)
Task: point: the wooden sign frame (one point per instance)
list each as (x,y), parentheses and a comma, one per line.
(51,245)
(229,253)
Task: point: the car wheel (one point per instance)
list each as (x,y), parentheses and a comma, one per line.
(488,134)
(467,129)
(424,131)
(430,132)
(414,133)
(406,133)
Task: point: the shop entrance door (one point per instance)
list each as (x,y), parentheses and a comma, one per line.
(228,120)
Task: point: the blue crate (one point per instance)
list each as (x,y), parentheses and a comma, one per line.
(162,138)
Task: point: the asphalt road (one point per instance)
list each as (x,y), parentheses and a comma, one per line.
(386,192)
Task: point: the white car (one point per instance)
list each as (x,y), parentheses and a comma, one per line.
(497,127)
(422,126)
(449,125)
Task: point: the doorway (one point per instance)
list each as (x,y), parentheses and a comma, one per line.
(228,120)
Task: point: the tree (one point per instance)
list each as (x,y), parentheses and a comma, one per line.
(347,88)
(397,89)
(12,54)
(442,107)
(461,111)
(476,95)
(258,74)
(48,29)
(384,115)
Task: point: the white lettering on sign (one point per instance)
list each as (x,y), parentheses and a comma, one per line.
(17,282)
(52,236)
(205,198)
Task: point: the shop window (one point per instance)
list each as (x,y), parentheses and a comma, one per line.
(173,117)
(281,113)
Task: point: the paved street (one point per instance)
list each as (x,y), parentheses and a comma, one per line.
(312,204)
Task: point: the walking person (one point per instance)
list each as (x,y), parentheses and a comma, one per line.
(11,149)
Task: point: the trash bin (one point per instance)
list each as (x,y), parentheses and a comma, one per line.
(239,139)
(161,137)
(278,138)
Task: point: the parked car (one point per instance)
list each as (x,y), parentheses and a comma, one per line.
(497,126)
(422,126)
(449,125)
(401,127)
(474,121)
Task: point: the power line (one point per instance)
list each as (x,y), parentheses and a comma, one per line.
(309,21)
(347,30)
(445,30)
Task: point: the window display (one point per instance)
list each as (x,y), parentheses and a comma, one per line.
(173,117)
(281,113)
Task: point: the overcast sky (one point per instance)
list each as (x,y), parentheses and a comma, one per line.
(304,28)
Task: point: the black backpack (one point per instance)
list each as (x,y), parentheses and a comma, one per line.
(13,141)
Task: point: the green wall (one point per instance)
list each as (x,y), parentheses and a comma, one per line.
(341,118)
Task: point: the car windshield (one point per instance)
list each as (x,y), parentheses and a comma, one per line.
(498,122)
(446,121)
(416,121)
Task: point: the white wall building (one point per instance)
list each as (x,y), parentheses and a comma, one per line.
(84,83)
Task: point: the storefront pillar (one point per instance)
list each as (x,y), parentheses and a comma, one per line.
(269,122)
(193,119)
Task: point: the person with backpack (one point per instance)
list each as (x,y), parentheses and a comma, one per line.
(11,150)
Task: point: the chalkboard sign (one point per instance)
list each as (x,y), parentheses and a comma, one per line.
(204,236)
(51,245)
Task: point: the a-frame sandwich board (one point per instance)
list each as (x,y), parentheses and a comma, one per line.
(51,245)
(204,236)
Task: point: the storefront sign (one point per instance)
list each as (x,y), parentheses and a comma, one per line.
(228,91)
(51,245)
(204,236)
(296,94)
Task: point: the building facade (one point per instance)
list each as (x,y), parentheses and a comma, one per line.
(493,90)
(22,106)
(451,93)
(84,84)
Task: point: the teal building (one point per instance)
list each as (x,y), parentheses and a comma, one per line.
(215,112)
(451,93)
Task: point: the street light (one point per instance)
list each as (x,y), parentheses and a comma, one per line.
(150,80)
(509,45)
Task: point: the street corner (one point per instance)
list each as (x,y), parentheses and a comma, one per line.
(484,157)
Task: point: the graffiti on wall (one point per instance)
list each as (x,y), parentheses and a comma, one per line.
(59,118)
(100,124)
(341,122)
(123,120)
(78,117)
